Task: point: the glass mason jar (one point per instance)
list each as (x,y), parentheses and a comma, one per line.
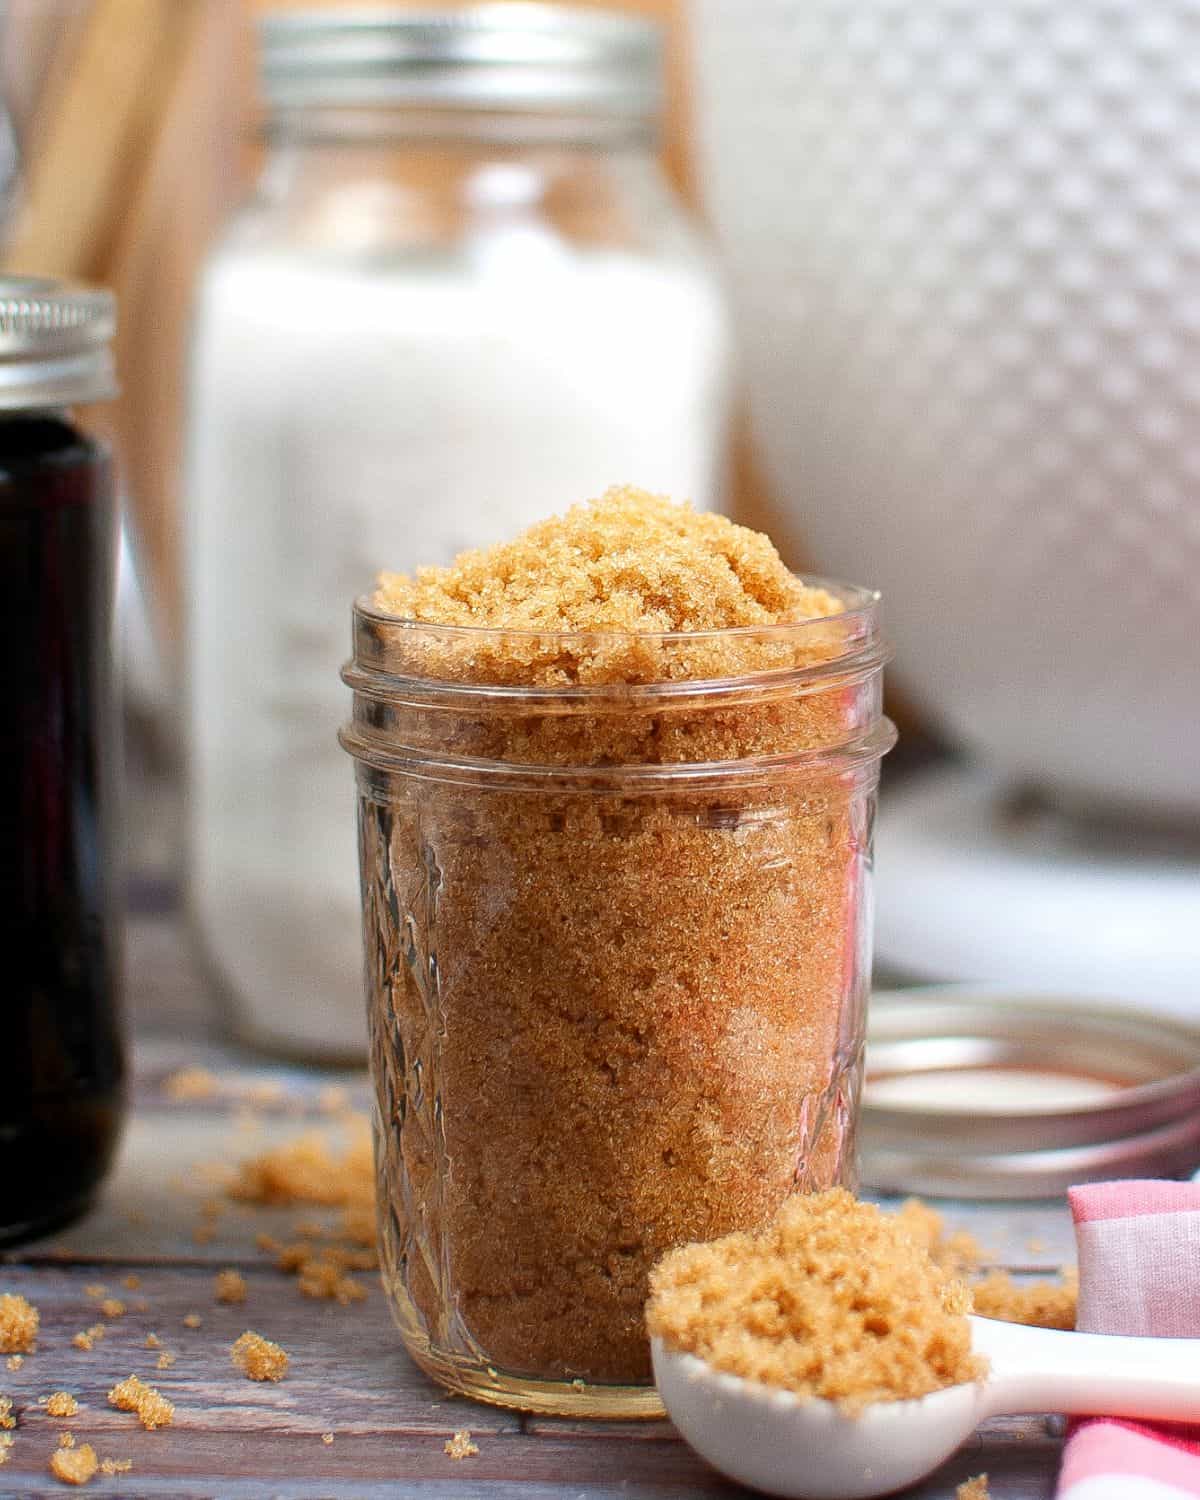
(617,938)
(62,1060)
(462,291)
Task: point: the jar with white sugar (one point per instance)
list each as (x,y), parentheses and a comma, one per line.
(462,291)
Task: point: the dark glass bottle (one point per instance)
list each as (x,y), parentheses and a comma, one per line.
(61,1042)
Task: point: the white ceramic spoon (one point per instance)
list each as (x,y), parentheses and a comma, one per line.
(810,1450)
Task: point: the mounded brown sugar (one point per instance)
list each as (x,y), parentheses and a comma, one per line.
(630,566)
(832,1299)
(638,1006)
(18,1325)
(61,1404)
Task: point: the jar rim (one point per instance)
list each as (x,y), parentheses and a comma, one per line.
(862,603)
(382,665)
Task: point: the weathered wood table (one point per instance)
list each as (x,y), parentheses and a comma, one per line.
(349,1376)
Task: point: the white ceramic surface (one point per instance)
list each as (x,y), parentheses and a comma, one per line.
(964,246)
(810,1450)
(965,892)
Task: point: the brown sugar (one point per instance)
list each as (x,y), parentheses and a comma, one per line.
(229,1286)
(973,1489)
(956,1251)
(7,1420)
(190,1084)
(19,1321)
(1042,1304)
(192,1320)
(112,1307)
(132,1394)
(617,572)
(312,1170)
(61,1404)
(637,1001)
(116,1465)
(14,1361)
(460,1446)
(258,1358)
(832,1299)
(6,1444)
(74,1465)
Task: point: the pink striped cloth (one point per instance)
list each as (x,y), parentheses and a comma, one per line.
(1139,1272)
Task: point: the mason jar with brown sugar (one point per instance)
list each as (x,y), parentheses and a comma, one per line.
(617,921)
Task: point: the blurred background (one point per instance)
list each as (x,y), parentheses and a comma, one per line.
(911,286)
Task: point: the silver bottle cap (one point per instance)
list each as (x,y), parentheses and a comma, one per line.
(507,58)
(54,344)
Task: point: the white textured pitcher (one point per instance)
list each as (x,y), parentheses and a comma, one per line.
(965,249)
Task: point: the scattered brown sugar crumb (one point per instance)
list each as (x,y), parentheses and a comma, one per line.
(112,1307)
(132,1282)
(135,1395)
(116,1465)
(258,1358)
(165,1360)
(7,1420)
(192,1320)
(6,1443)
(153,1341)
(66,1440)
(310,1170)
(957,1252)
(74,1465)
(61,1404)
(327,1439)
(191,1083)
(973,1489)
(320,1277)
(1042,1304)
(460,1445)
(19,1321)
(831,1299)
(95,1289)
(229,1286)
(14,1361)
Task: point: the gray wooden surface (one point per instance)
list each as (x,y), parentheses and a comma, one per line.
(232,1438)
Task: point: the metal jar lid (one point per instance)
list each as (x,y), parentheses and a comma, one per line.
(981,1093)
(54,344)
(517,57)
